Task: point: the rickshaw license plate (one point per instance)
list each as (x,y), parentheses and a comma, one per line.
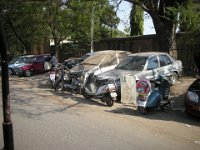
(52,76)
(141,103)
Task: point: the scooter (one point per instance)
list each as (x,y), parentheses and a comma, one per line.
(94,88)
(153,92)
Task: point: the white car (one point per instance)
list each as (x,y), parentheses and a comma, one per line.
(145,64)
(142,65)
(100,61)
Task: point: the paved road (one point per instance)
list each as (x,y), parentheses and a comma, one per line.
(43,120)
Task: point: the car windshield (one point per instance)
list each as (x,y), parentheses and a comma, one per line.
(23,60)
(134,63)
(94,60)
(84,57)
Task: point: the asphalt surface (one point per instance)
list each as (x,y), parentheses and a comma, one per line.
(44,120)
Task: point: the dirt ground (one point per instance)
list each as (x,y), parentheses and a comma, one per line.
(177,91)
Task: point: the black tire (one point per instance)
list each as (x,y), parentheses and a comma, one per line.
(58,86)
(10,71)
(162,108)
(173,78)
(108,100)
(27,73)
(142,110)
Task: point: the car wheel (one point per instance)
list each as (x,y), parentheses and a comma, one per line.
(10,71)
(28,73)
(58,86)
(173,78)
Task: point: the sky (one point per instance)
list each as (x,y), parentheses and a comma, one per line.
(124,13)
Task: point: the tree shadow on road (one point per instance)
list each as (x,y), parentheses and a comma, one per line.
(31,97)
(39,82)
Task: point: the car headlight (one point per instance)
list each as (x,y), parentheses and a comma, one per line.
(192,96)
(112,87)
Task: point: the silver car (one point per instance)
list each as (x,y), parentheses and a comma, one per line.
(142,65)
(103,60)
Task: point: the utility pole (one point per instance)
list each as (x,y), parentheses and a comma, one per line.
(92,29)
(7,123)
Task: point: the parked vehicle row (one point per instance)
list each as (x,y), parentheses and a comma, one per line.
(99,75)
(79,76)
(29,64)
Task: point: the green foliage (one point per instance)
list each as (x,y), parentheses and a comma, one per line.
(136,21)
(189,17)
(24,25)
(27,23)
(189,21)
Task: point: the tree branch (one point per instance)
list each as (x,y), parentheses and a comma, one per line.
(140,4)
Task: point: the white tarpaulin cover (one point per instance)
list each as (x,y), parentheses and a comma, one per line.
(128,89)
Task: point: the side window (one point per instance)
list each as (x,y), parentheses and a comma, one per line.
(121,56)
(39,59)
(47,58)
(109,61)
(164,60)
(152,63)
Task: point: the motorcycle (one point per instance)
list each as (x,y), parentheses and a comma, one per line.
(98,89)
(67,80)
(59,77)
(153,92)
(54,74)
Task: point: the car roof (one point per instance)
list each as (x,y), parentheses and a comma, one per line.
(111,51)
(72,58)
(27,56)
(148,54)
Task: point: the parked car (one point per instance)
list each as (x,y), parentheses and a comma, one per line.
(142,65)
(17,62)
(97,63)
(192,98)
(85,56)
(101,60)
(33,65)
(71,62)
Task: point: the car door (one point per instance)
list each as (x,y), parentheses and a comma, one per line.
(38,64)
(165,64)
(152,67)
(108,63)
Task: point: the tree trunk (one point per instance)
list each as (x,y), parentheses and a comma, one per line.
(166,36)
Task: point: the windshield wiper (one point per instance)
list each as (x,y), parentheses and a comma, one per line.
(88,64)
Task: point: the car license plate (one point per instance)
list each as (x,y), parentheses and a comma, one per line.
(52,76)
(113,94)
